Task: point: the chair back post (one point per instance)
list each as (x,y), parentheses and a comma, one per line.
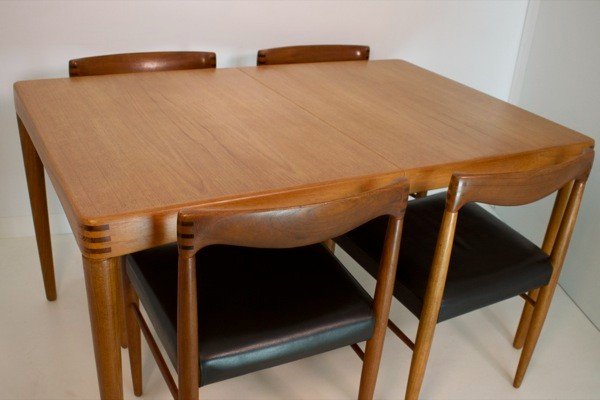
(432,302)
(558,210)
(382,302)
(567,225)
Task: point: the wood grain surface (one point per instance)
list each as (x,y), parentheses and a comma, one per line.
(427,125)
(126,152)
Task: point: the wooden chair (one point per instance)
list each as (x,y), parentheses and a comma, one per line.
(253,301)
(451,265)
(129,63)
(141,62)
(125,63)
(312,54)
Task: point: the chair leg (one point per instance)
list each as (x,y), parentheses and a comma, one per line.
(557,258)
(535,327)
(560,204)
(132,331)
(382,303)
(431,305)
(420,357)
(546,293)
(330,244)
(187,330)
(524,322)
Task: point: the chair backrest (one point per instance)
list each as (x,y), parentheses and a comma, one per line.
(141,62)
(288,226)
(311,54)
(516,188)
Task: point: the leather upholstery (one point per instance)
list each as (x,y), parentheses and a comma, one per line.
(490,261)
(257,308)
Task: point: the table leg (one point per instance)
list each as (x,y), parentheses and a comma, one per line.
(102,284)
(34,170)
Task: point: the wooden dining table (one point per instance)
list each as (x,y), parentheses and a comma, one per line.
(126,152)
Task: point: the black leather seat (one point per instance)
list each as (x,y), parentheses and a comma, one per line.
(481,271)
(256,307)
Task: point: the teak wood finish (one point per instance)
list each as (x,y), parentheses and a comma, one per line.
(312,54)
(560,203)
(506,189)
(108,143)
(291,226)
(101,282)
(141,62)
(427,125)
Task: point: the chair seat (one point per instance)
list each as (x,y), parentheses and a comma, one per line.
(490,261)
(257,308)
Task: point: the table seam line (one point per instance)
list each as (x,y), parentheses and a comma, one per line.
(322,120)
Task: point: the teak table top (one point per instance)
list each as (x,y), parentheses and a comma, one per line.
(426,125)
(126,152)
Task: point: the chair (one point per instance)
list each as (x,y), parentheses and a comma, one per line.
(450,265)
(141,62)
(265,291)
(312,54)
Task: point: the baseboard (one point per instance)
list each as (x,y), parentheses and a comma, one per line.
(22,226)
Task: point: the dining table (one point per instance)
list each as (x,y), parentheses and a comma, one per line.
(126,152)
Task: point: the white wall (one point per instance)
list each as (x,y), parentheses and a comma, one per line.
(561,81)
(473,42)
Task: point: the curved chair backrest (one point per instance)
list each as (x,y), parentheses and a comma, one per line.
(141,62)
(516,188)
(312,54)
(290,226)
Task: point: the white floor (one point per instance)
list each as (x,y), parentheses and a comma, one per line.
(46,350)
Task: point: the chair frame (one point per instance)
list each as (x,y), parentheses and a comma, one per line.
(312,53)
(141,62)
(270,227)
(505,189)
